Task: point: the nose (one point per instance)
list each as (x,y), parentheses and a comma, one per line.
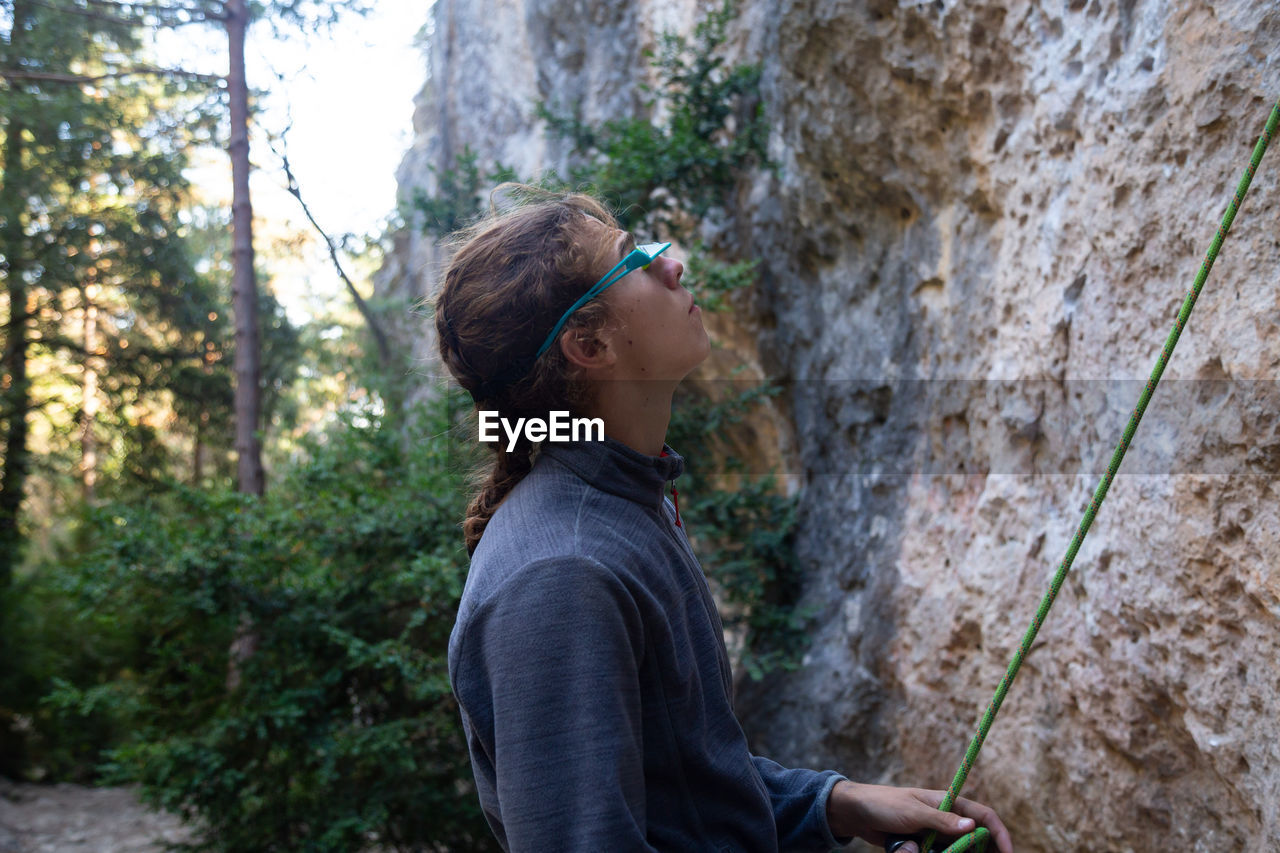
(671,272)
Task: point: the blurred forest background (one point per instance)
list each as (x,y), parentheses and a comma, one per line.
(229,541)
(255,630)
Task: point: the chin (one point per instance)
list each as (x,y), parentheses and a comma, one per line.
(692,364)
(706,348)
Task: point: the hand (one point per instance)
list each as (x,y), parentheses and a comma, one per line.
(872,812)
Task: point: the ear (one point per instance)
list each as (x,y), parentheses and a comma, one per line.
(586,349)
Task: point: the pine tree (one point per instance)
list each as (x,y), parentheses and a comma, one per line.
(88,207)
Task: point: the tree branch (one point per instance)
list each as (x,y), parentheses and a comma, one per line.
(123,18)
(55,77)
(379,334)
(122,13)
(217,12)
(136,352)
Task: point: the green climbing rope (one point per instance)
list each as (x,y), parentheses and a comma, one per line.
(980,836)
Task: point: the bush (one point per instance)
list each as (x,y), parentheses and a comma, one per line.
(277,667)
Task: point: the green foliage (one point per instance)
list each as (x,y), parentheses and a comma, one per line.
(712,280)
(275,669)
(114,644)
(99,226)
(744,527)
(664,173)
(459,196)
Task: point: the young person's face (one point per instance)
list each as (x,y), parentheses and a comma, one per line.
(659,333)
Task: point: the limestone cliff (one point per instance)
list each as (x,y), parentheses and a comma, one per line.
(983,221)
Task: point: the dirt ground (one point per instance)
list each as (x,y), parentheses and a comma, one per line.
(75,819)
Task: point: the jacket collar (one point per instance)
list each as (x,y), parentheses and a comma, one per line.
(613,467)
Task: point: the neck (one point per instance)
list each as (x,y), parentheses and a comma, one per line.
(635,413)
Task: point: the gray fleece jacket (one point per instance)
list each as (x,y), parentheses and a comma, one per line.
(589,663)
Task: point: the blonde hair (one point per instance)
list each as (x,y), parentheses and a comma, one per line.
(514,274)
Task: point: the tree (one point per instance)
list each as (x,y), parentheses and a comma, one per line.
(63,60)
(244,290)
(13,246)
(234,17)
(114,343)
(89,207)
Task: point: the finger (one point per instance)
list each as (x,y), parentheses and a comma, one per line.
(933,798)
(986,816)
(974,813)
(949,823)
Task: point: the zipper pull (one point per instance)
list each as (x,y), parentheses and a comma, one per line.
(675,499)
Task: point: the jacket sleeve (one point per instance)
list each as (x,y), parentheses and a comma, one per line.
(549,665)
(799,799)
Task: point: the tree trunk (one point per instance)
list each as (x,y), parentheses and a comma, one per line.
(197,451)
(248,396)
(244,294)
(16,394)
(89,402)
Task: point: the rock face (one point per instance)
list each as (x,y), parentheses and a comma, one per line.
(983,221)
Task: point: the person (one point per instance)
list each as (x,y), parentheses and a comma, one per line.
(588,658)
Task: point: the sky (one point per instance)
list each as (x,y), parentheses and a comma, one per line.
(350,94)
(346,96)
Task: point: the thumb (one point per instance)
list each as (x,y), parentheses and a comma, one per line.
(951,824)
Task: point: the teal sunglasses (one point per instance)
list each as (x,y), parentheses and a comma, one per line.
(638,259)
